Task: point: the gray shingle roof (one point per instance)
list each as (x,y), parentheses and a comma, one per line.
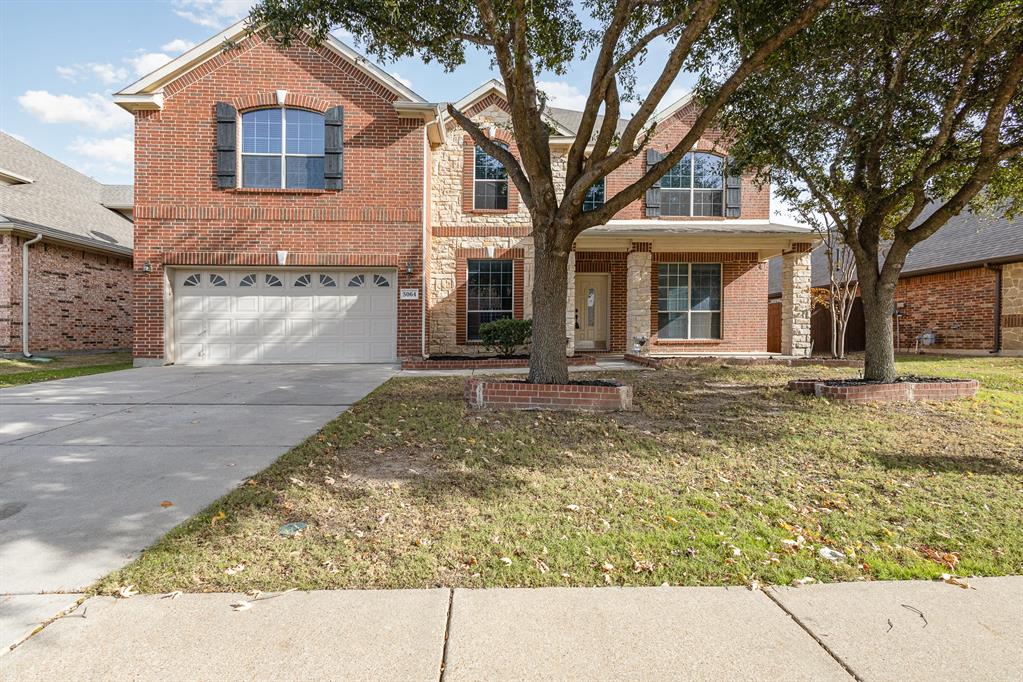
(965,240)
(118,196)
(571,118)
(61,200)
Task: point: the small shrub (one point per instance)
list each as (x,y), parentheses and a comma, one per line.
(505,336)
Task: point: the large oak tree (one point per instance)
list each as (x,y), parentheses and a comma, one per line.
(725,41)
(894,117)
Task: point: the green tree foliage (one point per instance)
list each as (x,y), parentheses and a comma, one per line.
(889,118)
(726,41)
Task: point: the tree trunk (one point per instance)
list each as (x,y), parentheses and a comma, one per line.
(834,321)
(547,361)
(879,357)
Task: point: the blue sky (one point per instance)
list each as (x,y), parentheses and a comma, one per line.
(60,60)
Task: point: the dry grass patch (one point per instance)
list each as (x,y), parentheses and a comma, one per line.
(721,477)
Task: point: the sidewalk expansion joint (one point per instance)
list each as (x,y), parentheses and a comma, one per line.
(447,635)
(820,642)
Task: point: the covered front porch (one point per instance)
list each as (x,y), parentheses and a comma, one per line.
(686,288)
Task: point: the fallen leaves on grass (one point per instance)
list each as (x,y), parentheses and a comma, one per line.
(234,570)
(946,559)
(126,591)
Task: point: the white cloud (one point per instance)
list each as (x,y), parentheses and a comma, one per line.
(145,63)
(93,110)
(404,81)
(212,13)
(563,95)
(114,151)
(177,46)
(107,74)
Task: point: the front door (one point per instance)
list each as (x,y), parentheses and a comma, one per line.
(591,312)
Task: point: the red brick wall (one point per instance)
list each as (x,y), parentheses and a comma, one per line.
(181,215)
(743,313)
(756,201)
(79,300)
(959,306)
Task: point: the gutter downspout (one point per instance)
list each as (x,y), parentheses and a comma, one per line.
(24,293)
(426,243)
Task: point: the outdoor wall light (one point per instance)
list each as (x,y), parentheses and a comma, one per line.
(147,267)
(409,268)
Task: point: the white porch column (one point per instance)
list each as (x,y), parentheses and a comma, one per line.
(795,302)
(570,307)
(637,309)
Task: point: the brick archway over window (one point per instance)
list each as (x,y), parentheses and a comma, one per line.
(294,100)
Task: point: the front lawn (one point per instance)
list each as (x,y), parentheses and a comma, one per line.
(18,371)
(720,477)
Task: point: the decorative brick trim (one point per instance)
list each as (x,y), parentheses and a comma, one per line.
(704,257)
(493,99)
(487,363)
(278,213)
(515,395)
(641,247)
(952,389)
(462,257)
(269,259)
(469,175)
(1012,321)
(800,247)
(483,231)
(293,100)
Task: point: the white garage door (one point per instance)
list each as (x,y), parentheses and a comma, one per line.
(278,316)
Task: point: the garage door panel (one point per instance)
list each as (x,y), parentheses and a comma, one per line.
(223,316)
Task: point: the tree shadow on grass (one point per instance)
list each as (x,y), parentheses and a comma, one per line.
(974,464)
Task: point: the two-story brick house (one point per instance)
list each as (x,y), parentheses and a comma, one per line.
(299,204)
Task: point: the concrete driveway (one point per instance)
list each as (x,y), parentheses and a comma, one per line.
(85,463)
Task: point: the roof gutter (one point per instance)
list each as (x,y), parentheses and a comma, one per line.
(24,293)
(66,238)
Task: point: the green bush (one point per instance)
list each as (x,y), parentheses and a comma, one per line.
(505,336)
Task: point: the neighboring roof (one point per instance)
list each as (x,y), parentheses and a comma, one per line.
(60,202)
(118,197)
(147,92)
(967,240)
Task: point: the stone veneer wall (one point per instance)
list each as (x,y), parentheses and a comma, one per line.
(638,295)
(1012,307)
(795,303)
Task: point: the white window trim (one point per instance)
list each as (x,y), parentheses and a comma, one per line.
(692,189)
(506,181)
(468,311)
(689,312)
(240,134)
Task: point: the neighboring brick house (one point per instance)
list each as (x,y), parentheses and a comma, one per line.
(79,279)
(964,285)
(299,204)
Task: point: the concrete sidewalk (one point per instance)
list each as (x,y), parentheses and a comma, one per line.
(867,631)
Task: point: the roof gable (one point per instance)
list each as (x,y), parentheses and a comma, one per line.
(147,92)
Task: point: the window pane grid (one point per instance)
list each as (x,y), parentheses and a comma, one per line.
(282,148)
(694,186)
(689,301)
(594,198)
(489,294)
(490,182)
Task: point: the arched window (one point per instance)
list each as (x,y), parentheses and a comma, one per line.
(282,148)
(490,182)
(694,187)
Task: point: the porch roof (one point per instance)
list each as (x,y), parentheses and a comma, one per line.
(768,238)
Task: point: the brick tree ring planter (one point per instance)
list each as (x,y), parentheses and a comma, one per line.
(911,389)
(484,362)
(519,395)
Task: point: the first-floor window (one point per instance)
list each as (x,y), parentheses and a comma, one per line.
(489,293)
(689,301)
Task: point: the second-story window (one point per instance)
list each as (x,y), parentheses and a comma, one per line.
(694,187)
(490,182)
(282,148)
(594,196)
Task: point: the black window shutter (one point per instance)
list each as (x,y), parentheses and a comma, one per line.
(733,191)
(227,145)
(653,195)
(333,147)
